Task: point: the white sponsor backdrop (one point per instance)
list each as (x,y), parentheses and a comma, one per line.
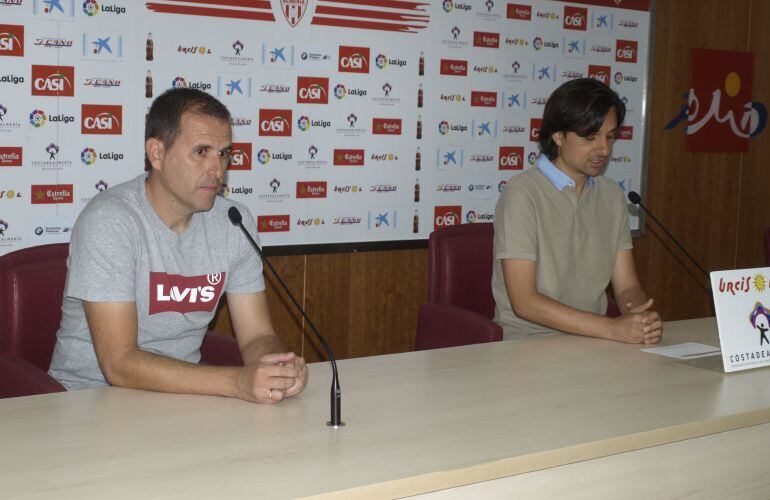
(366,121)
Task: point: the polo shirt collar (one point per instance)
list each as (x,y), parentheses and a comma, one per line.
(559,179)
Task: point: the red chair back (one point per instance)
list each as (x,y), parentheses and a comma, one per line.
(460,268)
(19,378)
(31,291)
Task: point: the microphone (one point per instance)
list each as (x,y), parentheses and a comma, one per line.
(634,198)
(336,395)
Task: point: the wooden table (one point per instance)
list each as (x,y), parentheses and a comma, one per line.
(417,422)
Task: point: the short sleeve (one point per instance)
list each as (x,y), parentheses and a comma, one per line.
(624,236)
(246,271)
(103,256)
(515,226)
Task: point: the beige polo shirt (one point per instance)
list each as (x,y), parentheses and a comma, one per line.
(574,242)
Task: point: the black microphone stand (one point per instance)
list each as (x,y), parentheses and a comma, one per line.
(336,394)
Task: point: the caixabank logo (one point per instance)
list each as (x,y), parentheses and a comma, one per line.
(101,119)
(511,158)
(274,223)
(311,189)
(53,9)
(312,90)
(386,126)
(11,40)
(240,156)
(353,59)
(44,194)
(56,81)
(275,122)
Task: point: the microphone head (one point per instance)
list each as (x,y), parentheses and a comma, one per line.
(234,215)
(633,197)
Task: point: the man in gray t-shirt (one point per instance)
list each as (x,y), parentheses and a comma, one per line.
(561,230)
(149,261)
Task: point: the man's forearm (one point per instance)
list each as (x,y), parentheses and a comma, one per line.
(259,346)
(139,369)
(546,311)
(634,296)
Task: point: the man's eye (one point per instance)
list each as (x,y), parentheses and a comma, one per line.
(223,154)
(201,152)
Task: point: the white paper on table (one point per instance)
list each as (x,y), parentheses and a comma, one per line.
(688,350)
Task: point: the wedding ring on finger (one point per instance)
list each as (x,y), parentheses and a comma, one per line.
(270,396)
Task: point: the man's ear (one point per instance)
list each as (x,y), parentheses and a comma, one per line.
(558,138)
(155,150)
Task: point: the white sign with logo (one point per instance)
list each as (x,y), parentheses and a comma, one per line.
(742,302)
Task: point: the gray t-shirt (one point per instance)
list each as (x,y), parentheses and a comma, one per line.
(121,251)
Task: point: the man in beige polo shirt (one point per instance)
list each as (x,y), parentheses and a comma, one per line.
(561,230)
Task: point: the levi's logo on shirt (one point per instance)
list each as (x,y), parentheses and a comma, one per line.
(184,294)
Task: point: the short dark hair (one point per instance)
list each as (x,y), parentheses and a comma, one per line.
(165,116)
(577,106)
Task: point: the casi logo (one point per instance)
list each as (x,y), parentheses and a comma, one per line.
(53,80)
(511,158)
(353,59)
(625,133)
(349,157)
(534,129)
(484,99)
(312,90)
(240,156)
(311,189)
(104,119)
(625,51)
(444,216)
(51,193)
(386,126)
(10,156)
(601,73)
(575,18)
(518,11)
(88,156)
(273,223)
(454,67)
(486,39)
(11,40)
(275,122)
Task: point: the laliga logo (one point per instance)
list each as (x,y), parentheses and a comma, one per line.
(447,6)
(340,91)
(90,8)
(618,77)
(303,123)
(179,82)
(37,118)
(88,156)
(532,158)
(443,127)
(537,43)
(752,122)
(381,61)
(102,121)
(55,82)
(263,156)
